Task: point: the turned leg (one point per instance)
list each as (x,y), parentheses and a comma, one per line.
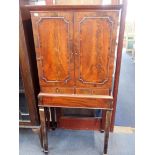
(107,129)
(43,129)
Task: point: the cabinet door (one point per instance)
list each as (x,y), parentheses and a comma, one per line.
(53,35)
(94,41)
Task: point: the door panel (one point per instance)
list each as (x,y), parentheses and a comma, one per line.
(53,35)
(95,40)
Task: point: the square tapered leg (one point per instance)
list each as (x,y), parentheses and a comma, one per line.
(47,118)
(102,125)
(107,129)
(43,129)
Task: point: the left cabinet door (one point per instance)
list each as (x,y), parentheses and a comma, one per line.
(53,37)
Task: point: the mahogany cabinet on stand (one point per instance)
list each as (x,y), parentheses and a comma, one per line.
(78,53)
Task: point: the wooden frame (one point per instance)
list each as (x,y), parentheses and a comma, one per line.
(29,89)
(118,61)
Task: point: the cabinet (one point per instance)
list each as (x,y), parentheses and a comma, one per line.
(76,49)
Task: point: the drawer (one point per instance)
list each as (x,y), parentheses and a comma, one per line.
(57,90)
(75,101)
(93,91)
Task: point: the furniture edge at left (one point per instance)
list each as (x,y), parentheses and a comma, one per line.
(28,74)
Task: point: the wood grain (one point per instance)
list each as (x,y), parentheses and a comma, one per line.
(79,123)
(53,33)
(95,48)
(75,101)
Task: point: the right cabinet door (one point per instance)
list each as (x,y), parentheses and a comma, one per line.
(94,47)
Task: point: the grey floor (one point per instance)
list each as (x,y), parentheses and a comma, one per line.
(125,112)
(69,142)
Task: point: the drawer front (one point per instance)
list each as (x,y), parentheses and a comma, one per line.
(57,90)
(92,91)
(60,90)
(75,101)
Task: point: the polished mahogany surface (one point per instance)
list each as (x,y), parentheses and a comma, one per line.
(75,44)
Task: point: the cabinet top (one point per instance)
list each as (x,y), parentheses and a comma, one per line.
(65,3)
